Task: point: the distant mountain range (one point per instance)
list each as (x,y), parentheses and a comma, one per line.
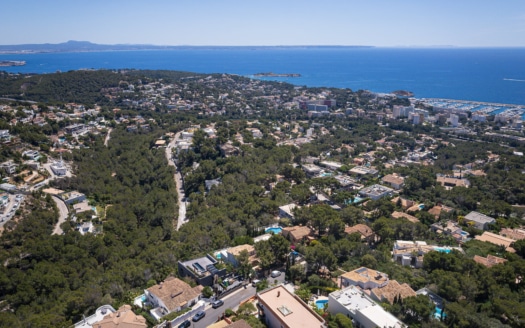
(86,46)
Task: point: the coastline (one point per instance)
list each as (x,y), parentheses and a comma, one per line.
(431,74)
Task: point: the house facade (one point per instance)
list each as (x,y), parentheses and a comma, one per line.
(171,295)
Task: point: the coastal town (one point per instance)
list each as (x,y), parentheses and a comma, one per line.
(282,206)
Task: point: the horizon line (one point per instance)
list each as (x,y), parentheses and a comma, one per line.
(261,45)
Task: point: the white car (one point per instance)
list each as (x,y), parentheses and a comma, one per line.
(275,274)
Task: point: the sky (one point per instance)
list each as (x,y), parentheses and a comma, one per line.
(382,23)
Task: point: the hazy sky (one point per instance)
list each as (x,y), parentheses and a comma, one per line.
(465,23)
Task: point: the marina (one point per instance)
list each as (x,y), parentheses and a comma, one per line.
(475,107)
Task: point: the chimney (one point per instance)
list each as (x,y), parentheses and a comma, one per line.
(278,293)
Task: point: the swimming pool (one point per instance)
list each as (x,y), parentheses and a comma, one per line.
(275,230)
(320,304)
(442,249)
(357,199)
(437,313)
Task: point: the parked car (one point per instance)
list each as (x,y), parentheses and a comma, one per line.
(255,282)
(199,315)
(185,324)
(217,303)
(275,274)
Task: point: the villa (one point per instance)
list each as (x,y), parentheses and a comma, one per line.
(364,312)
(450,182)
(376,192)
(123,317)
(479,220)
(202,270)
(171,295)
(365,278)
(489,261)
(279,308)
(515,234)
(230,255)
(9,167)
(411,253)
(398,215)
(363,171)
(498,240)
(100,314)
(297,234)
(286,211)
(376,284)
(450,228)
(367,234)
(395,181)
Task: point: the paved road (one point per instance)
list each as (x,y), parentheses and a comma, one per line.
(63,214)
(108,136)
(231,301)
(181,197)
(9,212)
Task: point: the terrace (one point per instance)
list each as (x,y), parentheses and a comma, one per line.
(202,270)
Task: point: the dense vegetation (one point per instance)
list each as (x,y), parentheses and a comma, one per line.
(50,280)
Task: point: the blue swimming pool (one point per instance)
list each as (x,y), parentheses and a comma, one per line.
(357,200)
(437,313)
(320,304)
(275,230)
(442,249)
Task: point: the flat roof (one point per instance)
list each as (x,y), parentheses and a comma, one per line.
(99,314)
(353,299)
(289,308)
(376,190)
(479,217)
(381,318)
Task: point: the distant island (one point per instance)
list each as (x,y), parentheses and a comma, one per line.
(7,63)
(271,74)
(86,46)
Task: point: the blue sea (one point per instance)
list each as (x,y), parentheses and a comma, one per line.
(495,75)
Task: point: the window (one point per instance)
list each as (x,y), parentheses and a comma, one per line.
(284,310)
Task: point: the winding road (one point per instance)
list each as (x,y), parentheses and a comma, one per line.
(181,197)
(108,136)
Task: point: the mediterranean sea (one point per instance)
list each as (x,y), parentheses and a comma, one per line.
(494,75)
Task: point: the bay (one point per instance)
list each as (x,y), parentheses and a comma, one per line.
(495,75)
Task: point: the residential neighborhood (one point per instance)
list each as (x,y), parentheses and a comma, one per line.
(223,201)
